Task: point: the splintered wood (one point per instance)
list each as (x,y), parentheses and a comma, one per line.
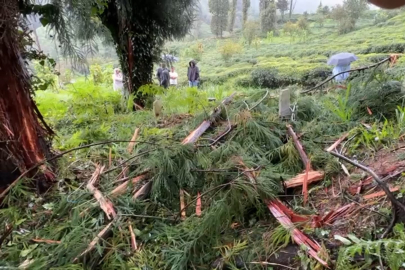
(297,181)
(105,204)
(309,175)
(101,235)
(312,247)
(133,238)
(133,141)
(123,187)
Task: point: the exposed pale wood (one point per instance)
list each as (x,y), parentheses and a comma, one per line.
(133,238)
(313,176)
(305,184)
(105,204)
(379,194)
(133,141)
(103,233)
(198,205)
(196,134)
(182,205)
(335,144)
(123,187)
(143,191)
(298,146)
(47,241)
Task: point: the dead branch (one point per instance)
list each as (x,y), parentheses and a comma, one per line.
(133,141)
(352,70)
(105,204)
(133,239)
(196,134)
(298,146)
(47,241)
(335,144)
(143,191)
(13,184)
(313,176)
(123,187)
(182,210)
(101,235)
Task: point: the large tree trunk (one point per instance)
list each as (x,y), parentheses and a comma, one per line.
(136,61)
(23,140)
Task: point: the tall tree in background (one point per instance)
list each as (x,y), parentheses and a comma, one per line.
(282,5)
(292,6)
(355,9)
(138,30)
(232,15)
(246,5)
(268,16)
(219,10)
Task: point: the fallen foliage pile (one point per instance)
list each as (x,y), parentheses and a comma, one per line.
(233,188)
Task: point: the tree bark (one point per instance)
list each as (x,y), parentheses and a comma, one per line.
(23,140)
(136,61)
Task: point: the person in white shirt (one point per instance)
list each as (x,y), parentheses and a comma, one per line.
(173,77)
(117,80)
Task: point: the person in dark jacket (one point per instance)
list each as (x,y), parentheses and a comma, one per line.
(164,77)
(193,74)
(159,73)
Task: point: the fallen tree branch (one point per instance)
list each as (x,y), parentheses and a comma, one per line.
(133,141)
(340,73)
(13,184)
(196,134)
(133,239)
(105,204)
(335,144)
(299,147)
(123,187)
(101,235)
(257,103)
(47,241)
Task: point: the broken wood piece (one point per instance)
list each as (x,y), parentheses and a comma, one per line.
(133,141)
(312,247)
(305,184)
(143,191)
(133,238)
(123,187)
(400,206)
(298,146)
(182,205)
(313,176)
(335,144)
(101,235)
(196,134)
(105,204)
(198,205)
(379,193)
(47,241)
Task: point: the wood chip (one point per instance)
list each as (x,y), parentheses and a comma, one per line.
(297,181)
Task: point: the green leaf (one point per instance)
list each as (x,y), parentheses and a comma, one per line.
(354,238)
(20,221)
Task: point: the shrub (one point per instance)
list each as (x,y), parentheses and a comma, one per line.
(229,49)
(387,48)
(315,76)
(195,51)
(101,75)
(265,78)
(250,31)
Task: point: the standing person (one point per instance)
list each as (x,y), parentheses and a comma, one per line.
(173,77)
(339,69)
(117,80)
(193,74)
(164,77)
(159,73)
